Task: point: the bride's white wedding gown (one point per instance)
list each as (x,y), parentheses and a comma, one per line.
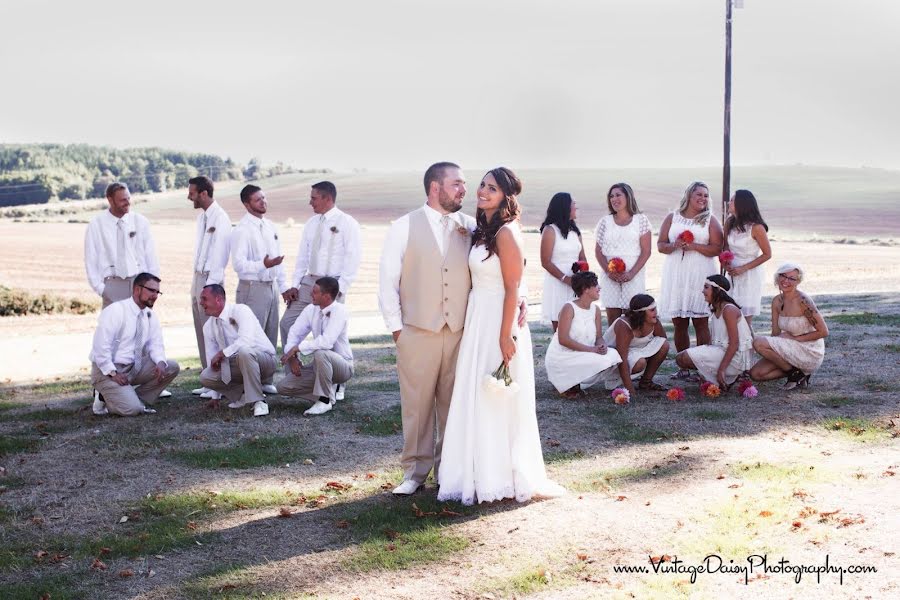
(492,448)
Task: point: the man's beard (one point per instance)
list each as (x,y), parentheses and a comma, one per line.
(448,203)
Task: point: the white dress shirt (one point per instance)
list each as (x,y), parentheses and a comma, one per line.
(212,246)
(252,240)
(328,328)
(241,329)
(114,337)
(100,248)
(392,260)
(339,251)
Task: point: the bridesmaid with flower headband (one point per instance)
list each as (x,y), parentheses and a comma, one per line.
(640,339)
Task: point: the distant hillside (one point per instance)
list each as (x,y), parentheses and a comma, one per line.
(38,173)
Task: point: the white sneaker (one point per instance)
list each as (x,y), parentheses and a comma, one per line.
(406,488)
(165,394)
(269,389)
(208,394)
(239,403)
(149,411)
(319,408)
(99,407)
(260,409)
(339,391)
(200,391)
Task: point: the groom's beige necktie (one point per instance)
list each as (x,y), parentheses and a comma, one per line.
(121,265)
(220,339)
(445,234)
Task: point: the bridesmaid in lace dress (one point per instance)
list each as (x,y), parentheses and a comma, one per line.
(746,237)
(623,233)
(560,247)
(796,347)
(686,266)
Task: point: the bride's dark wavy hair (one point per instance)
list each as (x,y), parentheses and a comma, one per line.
(509,210)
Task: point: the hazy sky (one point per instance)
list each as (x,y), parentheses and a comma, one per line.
(398,84)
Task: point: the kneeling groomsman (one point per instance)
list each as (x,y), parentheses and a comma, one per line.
(129,366)
(238,353)
(332,359)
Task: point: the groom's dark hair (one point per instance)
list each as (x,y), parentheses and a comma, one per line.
(436,172)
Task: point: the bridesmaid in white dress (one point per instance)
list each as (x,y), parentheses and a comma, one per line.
(560,247)
(624,233)
(746,237)
(492,448)
(577,356)
(796,347)
(686,266)
(641,332)
(730,354)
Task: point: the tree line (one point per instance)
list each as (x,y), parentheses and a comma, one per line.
(39,173)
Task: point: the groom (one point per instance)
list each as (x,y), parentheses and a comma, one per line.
(423,291)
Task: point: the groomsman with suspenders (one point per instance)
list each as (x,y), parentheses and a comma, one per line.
(210,257)
(329,247)
(118,246)
(256,257)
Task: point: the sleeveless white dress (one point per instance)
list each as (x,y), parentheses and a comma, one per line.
(683,275)
(556,293)
(618,241)
(707,358)
(492,448)
(746,289)
(806,356)
(567,367)
(640,347)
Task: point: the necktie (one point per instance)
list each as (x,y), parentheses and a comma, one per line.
(138,344)
(314,249)
(220,338)
(445,234)
(199,262)
(121,256)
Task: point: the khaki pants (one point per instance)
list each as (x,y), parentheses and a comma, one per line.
(296,307)
(426,367)
(115,289)
(199,314)
(262,299)
(248,371)
(318,378)
(126,400)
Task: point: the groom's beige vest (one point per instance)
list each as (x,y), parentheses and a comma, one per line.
(434,289)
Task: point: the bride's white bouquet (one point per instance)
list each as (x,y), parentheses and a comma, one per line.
(500,382)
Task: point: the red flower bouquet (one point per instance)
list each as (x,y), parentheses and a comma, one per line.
(687,237)
(580,266)
(616,265)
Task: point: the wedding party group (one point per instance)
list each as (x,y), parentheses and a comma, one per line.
(451,292)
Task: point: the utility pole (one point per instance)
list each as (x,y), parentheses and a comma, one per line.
(726,163)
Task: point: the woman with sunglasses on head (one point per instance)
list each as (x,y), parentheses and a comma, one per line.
(729,354)
(746,237)
(796,347)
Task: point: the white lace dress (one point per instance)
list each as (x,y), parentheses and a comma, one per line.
(683,273)
(621,241)
(640,347)
(566,251)
(806,356)
(492,447)
(746,289)
(567,367)
(708,358)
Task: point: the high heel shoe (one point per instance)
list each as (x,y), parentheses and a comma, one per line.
(794,378)
(804,383)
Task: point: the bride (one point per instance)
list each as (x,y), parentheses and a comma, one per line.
(492,448)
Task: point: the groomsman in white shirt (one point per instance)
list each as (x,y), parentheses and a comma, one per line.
(239,354)
(128,362)
(332,358)
(118,246)
(329,247)
(256,257)
(210,257)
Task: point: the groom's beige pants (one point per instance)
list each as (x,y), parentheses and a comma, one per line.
(426,367)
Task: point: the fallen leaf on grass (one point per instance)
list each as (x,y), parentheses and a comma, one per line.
(126,573)
(826,515)
(807,512)
(370,475)
(391,534)
(104,550)
(683,448)
(59,557)
(419,512)
(342,524)
(797,524)
(734,486)
(620,498)
(124,519)
(800,494)
(552,443)
(337,485)
(888,474)
(765,513)
(581,556)
(285,513)
(720,476)
(446,512)
(40,554)
(848,521)
(98,565)
(191,525)
(390,547)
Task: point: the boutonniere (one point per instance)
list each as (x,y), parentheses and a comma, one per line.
(326,314)
(211,230)
(233,323)
(463,231)
(132,234)
(334,229)
(276,236)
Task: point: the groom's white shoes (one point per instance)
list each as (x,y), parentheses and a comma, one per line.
(406,488)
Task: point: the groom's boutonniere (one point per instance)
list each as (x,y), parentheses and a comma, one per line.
(326,314)
(233,323)
(276,236)
(334,229)
(211,230)
(463,231)
(132,234)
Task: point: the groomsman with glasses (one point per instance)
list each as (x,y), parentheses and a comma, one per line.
(329,247)
(211,252)
(128,361)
